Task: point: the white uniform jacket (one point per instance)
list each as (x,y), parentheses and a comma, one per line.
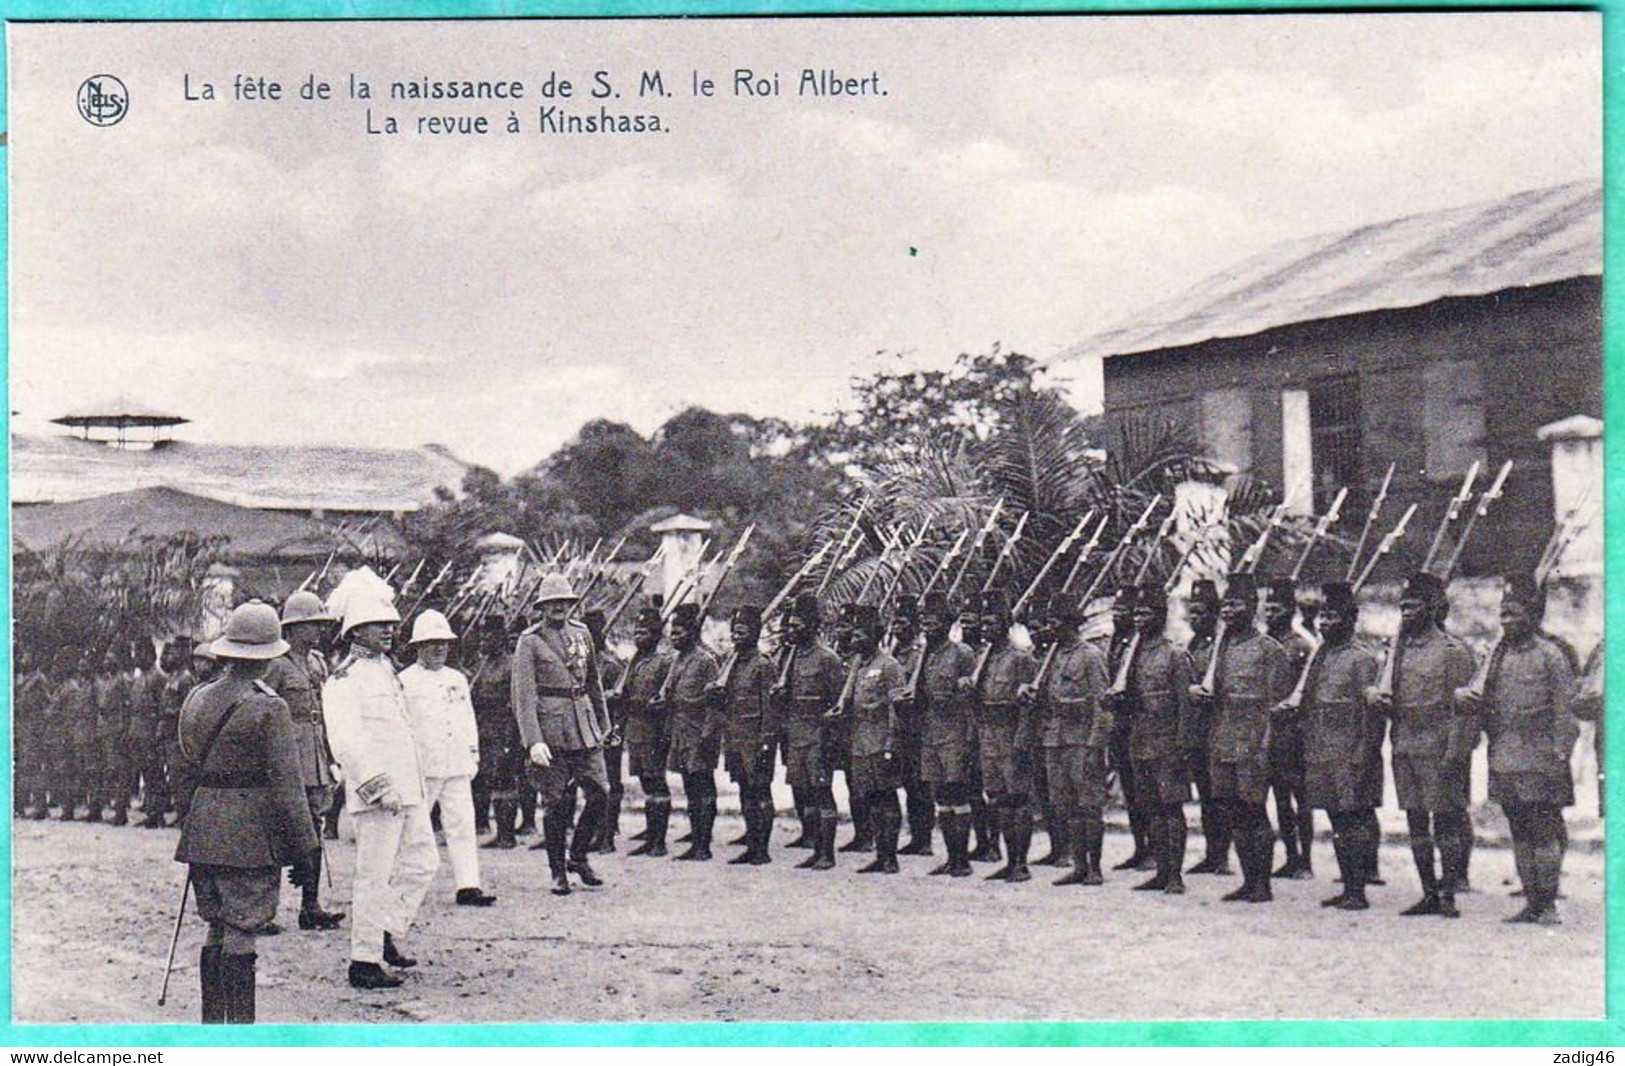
(370,732)
(442,720)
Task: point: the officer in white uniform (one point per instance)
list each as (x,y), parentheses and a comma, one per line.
(442,714)
(370,732)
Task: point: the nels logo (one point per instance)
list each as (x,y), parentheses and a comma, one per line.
(103,100)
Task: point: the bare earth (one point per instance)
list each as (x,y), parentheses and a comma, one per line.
(671,941)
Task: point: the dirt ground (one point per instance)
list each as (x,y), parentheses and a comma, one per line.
(671,941)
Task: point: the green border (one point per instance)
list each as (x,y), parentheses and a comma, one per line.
(1588,1035)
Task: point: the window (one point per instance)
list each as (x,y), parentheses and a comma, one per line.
(1334,430)
(1227,426)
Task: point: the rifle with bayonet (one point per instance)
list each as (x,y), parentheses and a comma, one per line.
(1327,520)
(1487,497)
(1126,665)
(1370,523)
(1054,556)
(976,545)
(1452,511)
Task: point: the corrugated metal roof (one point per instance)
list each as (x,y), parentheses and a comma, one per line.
(1531,238)
(162,512)
(56,469)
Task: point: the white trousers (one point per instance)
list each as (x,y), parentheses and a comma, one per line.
(456,798)
(395,862)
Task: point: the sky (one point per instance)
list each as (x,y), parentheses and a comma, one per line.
(274,272)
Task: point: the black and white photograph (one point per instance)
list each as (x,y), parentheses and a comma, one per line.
(1066,518)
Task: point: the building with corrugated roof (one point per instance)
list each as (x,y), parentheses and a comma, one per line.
(1432,341)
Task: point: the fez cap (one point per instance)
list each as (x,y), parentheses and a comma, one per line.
(1152,598)
(936,603)
(1125,596)
(1203,590)
(907,607)
(1064,608)
(1521,588)
(648,616)
(1283,592)
(806,608)
(686,614)
(995,601)
(1242,586)
(747,614)
(865,616)
(1337,596)
(1424,586)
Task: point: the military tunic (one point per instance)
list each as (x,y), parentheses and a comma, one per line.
(909,725)
(646,726)
(1160,721)
(1074,729)
(112,733)
(242,801)
(1004,726)
(1253,677)
(694,727)
(1342,733)
(296,680)
(1286,735)
(747,714)
(79,775)
(948,716)
(874,724)
(559,700)
(1430,772)
(1531,730)
(813,689)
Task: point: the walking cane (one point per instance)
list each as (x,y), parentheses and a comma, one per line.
(175,938)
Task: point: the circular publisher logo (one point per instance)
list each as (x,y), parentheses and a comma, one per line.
(103,100)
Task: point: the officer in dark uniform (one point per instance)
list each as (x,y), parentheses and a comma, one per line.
(687,699)
(1525,709)
(745,695)
(243,809)
(919,805)
(1004,735)
(945,708)
(1431,767)
(1120,760)
(646,728)
(1202,615)
(1074,729)
(1156,702)
(502,755)
(1342,743)
(558,702)
(875,730)
(808,691)
(297,679)
(1252,680)
(1294,817)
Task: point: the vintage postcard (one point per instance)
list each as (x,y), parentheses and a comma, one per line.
(1065,518)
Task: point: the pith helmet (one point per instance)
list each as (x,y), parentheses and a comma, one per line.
(362,610)
(555,587)
(253,632)
(431,625)
(304,606)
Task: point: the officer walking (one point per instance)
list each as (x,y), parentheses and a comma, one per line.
(442,715)
(371,734)
(558,701)
(243,810)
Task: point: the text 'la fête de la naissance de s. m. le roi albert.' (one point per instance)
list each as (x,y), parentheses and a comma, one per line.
(594,102)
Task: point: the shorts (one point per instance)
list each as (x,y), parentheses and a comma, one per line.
(647,742)
(585,768)
(805,767)
(1531,789)
(948,764)
(1286,755)
(690,752)
(1245,781)
(1077,777)
(1341,786)
(238,898)
(1162,780)
(873,773)
(1428,783)
(749,767)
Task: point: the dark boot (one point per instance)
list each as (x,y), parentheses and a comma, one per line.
(1019,841)
(764,832)
(503,814)
(527,811)
(888,827)
(1159,851)
(370,975)
(863,828)
(1244,852)
(1422,854)
(959,860)
(1215,842)
(238,974)
(804,839)
(311,915)
(702,815)
(985,822)
(813,824)
(921,817)
(824,855)
(749,811)
(1060,844)
(583,839)
(394,956)
(658,813)
(1263,856)
(555,838)
(948,822)
(609,828)
(214,996)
